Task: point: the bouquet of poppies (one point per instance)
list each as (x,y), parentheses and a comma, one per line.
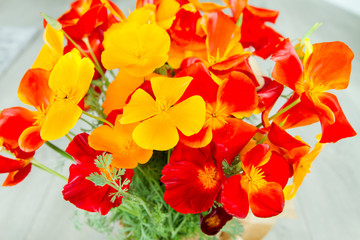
(183,131)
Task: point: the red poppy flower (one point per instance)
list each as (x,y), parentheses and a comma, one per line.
(327,67)
(82,192)
(192,179)
(234,97)
(18,169)
(260,186)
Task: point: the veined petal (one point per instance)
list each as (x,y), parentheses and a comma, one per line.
(11,165)
(239,93)
(302,168)
(288,68)
(30,139)
(34,89)
(13,121)
(189,115)
(86,73)
(60,119)
(156,133)
(268,201)
(64,76)
(234,198)
(169,89)
(17,176)
(119,142)
(119,91)
(140,107)
(329,66)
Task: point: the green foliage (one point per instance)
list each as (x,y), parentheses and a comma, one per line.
(234,168)
(143,214)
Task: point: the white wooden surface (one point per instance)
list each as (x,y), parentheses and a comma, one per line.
(327,204)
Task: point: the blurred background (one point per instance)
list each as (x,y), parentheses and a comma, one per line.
(327,205)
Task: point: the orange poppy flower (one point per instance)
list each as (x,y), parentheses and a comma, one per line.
(118,141)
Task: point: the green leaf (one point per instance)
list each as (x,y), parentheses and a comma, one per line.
(52,21)
(97,179)
(126,182)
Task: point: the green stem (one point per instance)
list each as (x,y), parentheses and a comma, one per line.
(97,64)
(89,123)
(60,151)
(179,227)
(291,105)
(98,118)
(45,168)
(68,137)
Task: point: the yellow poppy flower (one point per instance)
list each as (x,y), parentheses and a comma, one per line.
(138,49)
(162,117)
(70,80)
(51,51)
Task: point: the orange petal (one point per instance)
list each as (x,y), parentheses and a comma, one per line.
(157,133)
(34,89)
(119,142)
(30,139)
(119,91)
(329,66)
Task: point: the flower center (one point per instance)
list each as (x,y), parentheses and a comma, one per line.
(208,177)
(213,221)
(40,115)
(256,178)
(216,116)
(162,104)
(64,95)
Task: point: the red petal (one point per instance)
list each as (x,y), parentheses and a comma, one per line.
(30,139)
(34,89)
(13,121)
(329,66)
(10,165)
(234,198)
(277,169)
(202,83)
(268,201)
(238,93)
(220,31)
(297,116)
(80,150)
(288,68)
(341,128)
(185,192)
(15,177)
(232,138)
(281,138)
(255,156)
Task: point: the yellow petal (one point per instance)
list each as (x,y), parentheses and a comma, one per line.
(189,115)
(47,58)
(140,107)
(60,119)
(301,170)
(53,38)
(157,133)
(66,72)
(169,89)
(86,73)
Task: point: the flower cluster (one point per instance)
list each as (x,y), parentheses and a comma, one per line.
(183,79)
